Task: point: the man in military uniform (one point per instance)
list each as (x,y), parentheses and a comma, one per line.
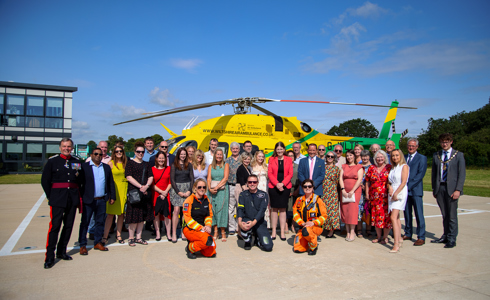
(252,204)
(61,178)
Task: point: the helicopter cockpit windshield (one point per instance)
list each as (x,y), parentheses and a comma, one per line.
(172,142)
(305,127)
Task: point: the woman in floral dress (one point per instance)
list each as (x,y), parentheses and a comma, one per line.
(330,194)
(377,192)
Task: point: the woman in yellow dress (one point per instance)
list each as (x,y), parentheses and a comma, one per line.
(118,166)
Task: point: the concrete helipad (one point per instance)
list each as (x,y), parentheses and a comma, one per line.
(340,270)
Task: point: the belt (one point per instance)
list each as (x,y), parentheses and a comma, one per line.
(98,198)
(443,183)
(232,184)
(64,185)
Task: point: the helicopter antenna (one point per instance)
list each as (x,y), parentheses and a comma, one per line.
(190,121)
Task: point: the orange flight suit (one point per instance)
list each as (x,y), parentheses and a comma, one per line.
(196,213)
(313,210)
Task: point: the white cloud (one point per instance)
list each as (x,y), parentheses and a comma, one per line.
(80,125)
(367,10)
(187,64)
(162,97)
(127,112)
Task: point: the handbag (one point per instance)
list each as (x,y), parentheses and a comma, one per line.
(135,196)
(214,183)
(348,200)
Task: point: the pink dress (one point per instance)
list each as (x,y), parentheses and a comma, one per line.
(350,211)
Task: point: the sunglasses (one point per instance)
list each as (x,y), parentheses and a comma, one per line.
(338,151)
(139,152)
(330,156)
(321,149)
(164,147)
(307,186)
(97,154)
(252,182)
(200,187)
(118,151)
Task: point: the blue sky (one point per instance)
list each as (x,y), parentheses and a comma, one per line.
(128,57)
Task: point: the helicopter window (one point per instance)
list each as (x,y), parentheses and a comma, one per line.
(278,121)
(189,143)
(173,142)
(223,146)
(305,127)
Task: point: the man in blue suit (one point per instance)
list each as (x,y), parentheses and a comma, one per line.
(313,168)
(418,166)
(98,188)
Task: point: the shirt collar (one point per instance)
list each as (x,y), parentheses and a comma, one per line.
(65,157)
(92,164)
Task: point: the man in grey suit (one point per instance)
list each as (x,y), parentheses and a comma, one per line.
(448,176)
(418,166)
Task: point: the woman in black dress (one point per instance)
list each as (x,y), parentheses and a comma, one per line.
(280,173)
(137,214)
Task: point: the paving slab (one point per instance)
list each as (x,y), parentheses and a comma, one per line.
(340,270)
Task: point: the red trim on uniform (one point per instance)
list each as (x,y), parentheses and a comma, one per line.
(49,230)
(64,185)
(65,157)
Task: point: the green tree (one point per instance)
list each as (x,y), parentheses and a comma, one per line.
(112,140)
(355,128)
(157,139)
(92,144)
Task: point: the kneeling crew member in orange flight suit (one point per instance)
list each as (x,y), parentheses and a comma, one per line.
(310,213)
(198,211)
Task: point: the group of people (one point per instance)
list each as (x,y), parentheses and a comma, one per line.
(242,194)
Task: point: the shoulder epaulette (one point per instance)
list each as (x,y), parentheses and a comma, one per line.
(54,156)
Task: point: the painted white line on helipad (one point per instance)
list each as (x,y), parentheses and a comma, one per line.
(9,246)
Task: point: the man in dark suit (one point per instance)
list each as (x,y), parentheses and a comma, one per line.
(164,148)
(98,188)
(313,168)
(418,166)
(448,176)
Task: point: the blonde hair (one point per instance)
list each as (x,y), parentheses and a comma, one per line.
(197,182)
(214,164)
(254,160)
(359,146)
(402,158)
(194,159)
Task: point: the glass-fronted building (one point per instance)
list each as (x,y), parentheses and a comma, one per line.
(33,119)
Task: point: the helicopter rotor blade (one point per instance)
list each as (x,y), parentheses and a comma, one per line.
(177,110)
(339,103)
(263,110)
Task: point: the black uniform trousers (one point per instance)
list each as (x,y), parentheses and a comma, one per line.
(58,215)
(449,211)
(261,233)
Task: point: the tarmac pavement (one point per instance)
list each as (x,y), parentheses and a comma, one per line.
(340,270)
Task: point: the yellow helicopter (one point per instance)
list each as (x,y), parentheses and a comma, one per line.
(264,131)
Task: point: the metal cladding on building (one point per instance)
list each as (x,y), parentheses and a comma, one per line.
(33,120)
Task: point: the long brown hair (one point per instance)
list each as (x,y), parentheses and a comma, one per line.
(214,163)
(156,159)
(277,145)
(124,158)
(177,159)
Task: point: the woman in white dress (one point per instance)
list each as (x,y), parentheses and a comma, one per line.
(397,194)
(259,168)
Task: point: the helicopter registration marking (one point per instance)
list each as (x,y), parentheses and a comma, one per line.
(218,131)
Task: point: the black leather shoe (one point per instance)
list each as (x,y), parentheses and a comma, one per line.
(247,246)
(312,252)
(319,239)
(48,264)
(442,240)
(64,256)
(450,245)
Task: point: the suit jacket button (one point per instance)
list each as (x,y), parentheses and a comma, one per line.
(68,173)
(68,187)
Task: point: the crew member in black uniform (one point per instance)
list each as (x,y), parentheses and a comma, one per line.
(252,204)
(61,178)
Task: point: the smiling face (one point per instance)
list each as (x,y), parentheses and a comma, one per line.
(446,145)
(357,151)
(350,158)
(291,155)
(235,151)
(200,189)
(395,157)
(246,161)
(321,150)
(330,158)
(65,148)
(139,152)
(412,147)
(161,160)
(213,145)
(219,156)
(390,146)
(296,148)
(163,146)
(182,155)
(96,156)
(312,151)
(103,146)
(119,152)
(280,151)
(260,158)
(149,145)
(252,184)
(247,147)
(338,150)
(380,159)
(190,152)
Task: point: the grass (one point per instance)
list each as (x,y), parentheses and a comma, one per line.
(20,179)
(477,182)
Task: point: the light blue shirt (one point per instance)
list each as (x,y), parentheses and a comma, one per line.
(99,179)
(148,155)
(296,161)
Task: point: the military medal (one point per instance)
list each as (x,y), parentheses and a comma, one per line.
(76,166)
(66,165)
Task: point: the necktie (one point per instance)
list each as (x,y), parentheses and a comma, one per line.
(312,160)
(409,159)
(444,167)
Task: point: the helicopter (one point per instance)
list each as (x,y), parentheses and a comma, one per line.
(264,131)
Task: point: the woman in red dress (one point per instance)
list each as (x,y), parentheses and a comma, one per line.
(377,193)
(350,181)
(161,200)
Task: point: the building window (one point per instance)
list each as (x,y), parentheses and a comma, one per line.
(53,123)
(34,151)
(54,107)
(35,106)
(14,121)
(1,103)
(14,151)
(35,122)
(15,105)
(52,149)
